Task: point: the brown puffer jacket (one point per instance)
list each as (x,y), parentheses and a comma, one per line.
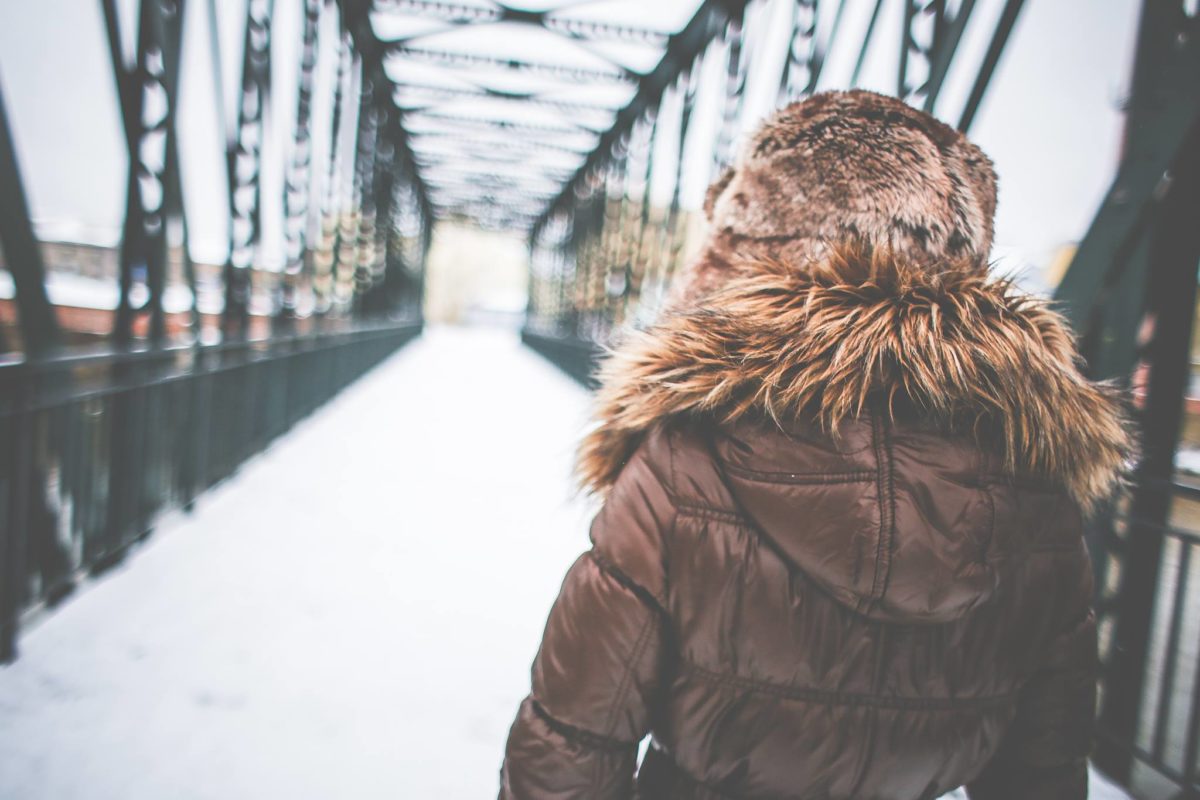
(886,614)
(840,554)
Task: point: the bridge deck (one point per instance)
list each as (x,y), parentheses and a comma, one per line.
(353,615)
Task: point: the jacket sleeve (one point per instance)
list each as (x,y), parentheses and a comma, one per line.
(1043,755)
(596,676)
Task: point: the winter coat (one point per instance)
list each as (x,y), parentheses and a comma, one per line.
(840,553)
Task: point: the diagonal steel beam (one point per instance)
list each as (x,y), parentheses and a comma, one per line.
(526,162)
(447,93)
(528,205)
(481,142)
(1164,109)
(1008,19)
(151,145)
(588,31)
(39,327)
(519,196)
(460,60)
(358,15)
(457,14)
(521,128)
(928,40)
(421,141)
(513,196)
(806,55)
(866,44)
(681,51)
(946,41)
(493,179)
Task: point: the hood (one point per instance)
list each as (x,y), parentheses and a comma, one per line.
(810,379)
(964,352)
(842,166)
(889,521)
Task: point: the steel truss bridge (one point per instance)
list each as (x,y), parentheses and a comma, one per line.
(426,127)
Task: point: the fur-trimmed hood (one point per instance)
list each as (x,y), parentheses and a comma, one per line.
(961,350)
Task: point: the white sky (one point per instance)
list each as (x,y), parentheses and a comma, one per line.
(1051,120)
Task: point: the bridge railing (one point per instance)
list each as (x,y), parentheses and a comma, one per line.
(97,446)
(1161,751)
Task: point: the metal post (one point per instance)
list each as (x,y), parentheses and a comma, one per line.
(296,184)
(735,88)
(39,326)
(1171,302)
(168,31)
(805,56)
(325,263)
(1008,18)
(862,52)
(638,259)
(243,160)
(908,44)
(945,44)
(383,250)
(363,197)
(676,221)
(130,92)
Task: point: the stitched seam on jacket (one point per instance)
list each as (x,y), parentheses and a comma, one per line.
(985,556)
(716,514)
(627,678)
(827,697)
(579,735)
(617,574)
(802,478)
(670,435)
(876,437)
(667,541)
(888,545)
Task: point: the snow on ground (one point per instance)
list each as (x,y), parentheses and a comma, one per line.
(352,616)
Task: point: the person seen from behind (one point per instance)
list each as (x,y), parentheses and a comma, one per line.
(844,475)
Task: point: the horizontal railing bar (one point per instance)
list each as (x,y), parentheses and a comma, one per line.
(115,355)
(198,367)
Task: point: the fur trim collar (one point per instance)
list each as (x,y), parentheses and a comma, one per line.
(963,350)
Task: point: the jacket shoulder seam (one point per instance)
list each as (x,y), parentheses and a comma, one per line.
(701,511)
(885,487)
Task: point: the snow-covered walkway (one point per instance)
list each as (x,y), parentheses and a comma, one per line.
(352,616)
